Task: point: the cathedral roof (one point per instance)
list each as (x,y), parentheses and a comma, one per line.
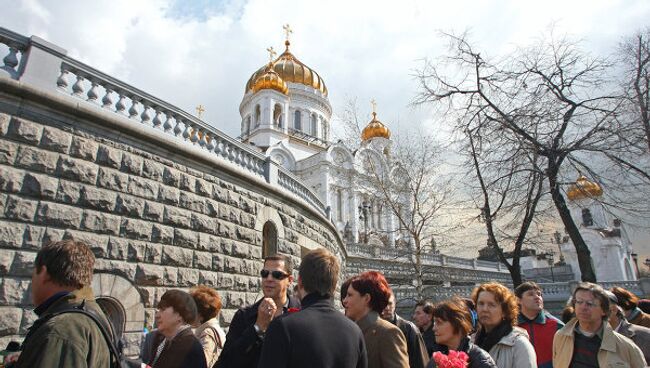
(270,79)
(290,69)
(583,188)
(374,129)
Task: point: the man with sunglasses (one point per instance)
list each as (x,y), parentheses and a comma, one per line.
(248,327)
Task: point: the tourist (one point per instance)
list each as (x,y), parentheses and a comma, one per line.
(587,341)
(366,298)
(540,325)
(638,334)
(173,345)
(423,319)
(318,336)
(497,312)
(61,279)
(630,304)
(248,327)
(452,324)
(209,333)
(417,351)
(568,313)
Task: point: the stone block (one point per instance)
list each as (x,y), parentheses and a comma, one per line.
(84,148)
(171,177)
(220,194)
(186,238)
(153,253)
(177,217)
(4,123)
(209,278)
(254,283)
(39,186)
(226,281)
(247,205)
(153,211)
(250,267)
(129,205)
(57,140)
(188,277)
(68,192)
(203,188)
(112,179)
(23,264)
(187,183)
(225,229)
(20,209)
(8,152)
(33,237)
(24,130)
(98,198)
(14,292)
(11,234)
(131,163)
(153,170)
(235,299)
(3,201)
(208,243)
(229,213)
(241,250)
(144,188)
(245,234)
(77,170)
(176,256)
(202,260)
(11,180)
(204,223)
(10,318)
(225,246)
(118,248)
(99,222)
(108,156)
(27,322)
(192,202)
(60,215)
(96,242)
(136,229)
(120,268)
(240,283)
(152,275)
(169,195)
(136,251)
(233,265)
(248,220)
(7,259)
(52,235)
(162,234)
(211,208)
(218,262)
(36,159)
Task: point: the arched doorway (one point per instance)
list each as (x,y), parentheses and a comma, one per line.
(115,312)
(270,239)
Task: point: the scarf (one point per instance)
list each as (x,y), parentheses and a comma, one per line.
(486,340)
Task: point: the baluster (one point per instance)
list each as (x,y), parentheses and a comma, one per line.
(78,87)
(211,143)
(120,106)
(167,126)
(107,101)
(187,132)
(144,117)
(218,149)
(204,140)
(11,60)
(195,134)
(157,121)
(178,129)
(62,81)
(92,92)
(133,111)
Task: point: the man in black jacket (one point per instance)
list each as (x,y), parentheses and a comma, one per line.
(247,331)
(318,336)
(418,356)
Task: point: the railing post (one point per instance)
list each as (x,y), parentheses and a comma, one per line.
(270,171)
(41,64)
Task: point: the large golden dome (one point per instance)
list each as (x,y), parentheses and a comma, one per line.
(270,80)
(290,69)
(374,129)
(584,188)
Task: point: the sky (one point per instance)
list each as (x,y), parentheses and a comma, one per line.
(191,52)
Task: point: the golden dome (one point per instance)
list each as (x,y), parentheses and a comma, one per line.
(270,80)
(584,188)
(374,129)
(290,69)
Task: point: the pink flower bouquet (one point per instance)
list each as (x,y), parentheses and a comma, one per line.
(455,359)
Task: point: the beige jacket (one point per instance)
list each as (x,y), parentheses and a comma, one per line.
(212,339)
(514,350)
(385,343)
(616,350)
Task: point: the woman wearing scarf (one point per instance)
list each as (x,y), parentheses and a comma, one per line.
(452,323)
(497,312)
(173,343)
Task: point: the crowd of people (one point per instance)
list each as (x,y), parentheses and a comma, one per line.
(494,327)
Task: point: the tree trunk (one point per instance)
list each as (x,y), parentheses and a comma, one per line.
(419,279)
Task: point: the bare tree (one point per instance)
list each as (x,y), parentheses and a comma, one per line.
(553,101)
(635,59)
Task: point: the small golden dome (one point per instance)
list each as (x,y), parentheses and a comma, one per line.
(374,129)
(270,80)
(584,188)
(290,69)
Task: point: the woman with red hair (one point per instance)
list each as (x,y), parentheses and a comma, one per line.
(366,297)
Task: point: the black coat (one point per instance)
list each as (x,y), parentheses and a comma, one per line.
(478,358)
(318,336)
(184,350)
(418,355)
(243,347)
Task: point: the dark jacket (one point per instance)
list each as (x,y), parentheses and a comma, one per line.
(429,338)
(478,358)
(385,343)
(418,355)
(639,335)
(541,331)
(243,347)
(67,340)
(318,336)
(184,350)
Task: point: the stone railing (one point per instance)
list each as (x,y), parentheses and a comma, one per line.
(34,61)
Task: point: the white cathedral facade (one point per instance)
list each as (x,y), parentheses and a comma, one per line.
(287,115)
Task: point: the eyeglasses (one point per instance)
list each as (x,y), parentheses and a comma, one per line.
(587,303)
(278,275)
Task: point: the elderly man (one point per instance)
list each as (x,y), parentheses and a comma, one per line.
(638,334)
(61,280)
(418,356)
(587,340)
(248,327)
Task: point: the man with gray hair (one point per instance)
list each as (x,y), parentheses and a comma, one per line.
(318,336)
(588,340)
(61,280)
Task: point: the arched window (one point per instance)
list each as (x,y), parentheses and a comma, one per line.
(324,128)
(296,120)
(258,115)
(339,204)
(114,310)
(270,239)
(314,125)
(587,219)
(277,115)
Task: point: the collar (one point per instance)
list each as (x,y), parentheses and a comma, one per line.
(313,298)
(49,301)
(598,333)
(368,320)
(539,319)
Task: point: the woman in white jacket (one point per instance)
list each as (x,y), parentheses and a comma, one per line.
(497,312)
(209,333)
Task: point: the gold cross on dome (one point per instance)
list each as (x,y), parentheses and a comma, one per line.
(287,30)
(374,106)
(272,53)
(200,110)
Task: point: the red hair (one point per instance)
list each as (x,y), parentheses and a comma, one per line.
(373,283)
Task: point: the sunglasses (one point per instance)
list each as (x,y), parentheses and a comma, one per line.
(278,275)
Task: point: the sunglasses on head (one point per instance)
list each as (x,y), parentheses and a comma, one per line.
(278,275)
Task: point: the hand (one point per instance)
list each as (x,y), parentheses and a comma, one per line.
(265,313)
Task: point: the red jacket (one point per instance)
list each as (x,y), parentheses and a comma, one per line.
(541,331)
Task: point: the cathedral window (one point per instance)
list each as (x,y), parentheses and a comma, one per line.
(324,133)
(587,219)
(258,115)
(296,120)
(277,115)
(339,204)
(270,239)
(314,125)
